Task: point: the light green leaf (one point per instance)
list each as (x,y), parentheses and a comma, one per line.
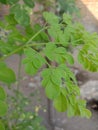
(56,76)
(60,103)
(30,69)
(67,18)
(33,61)
(88,57)
(3,108)
(88,113)
(46,74)
(70,58)
(51,75)
(52,91)
(85,113)
(51,18)
(55,53)
(70,111)
(2,94)
(67,73)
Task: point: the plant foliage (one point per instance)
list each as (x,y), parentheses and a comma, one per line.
(48,45)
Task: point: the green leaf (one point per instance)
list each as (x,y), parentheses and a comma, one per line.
(85,113)
(2,94)
(69,58)
(7,75)
(15,9)
(30,69)
(68,74)
(12,1)
(29,3)
(2,64)
(55,53)
(67,18)
(58,54)
(70,111)
(3,108)
(10,19)
(51,76)
(60,103)
(88,113)
(3,1)
(56,76)
(51,18)
(22,17)
(88,56)
(20,14)
(30,31)
(33,61)
(46,74)
(52,91)
(2,126)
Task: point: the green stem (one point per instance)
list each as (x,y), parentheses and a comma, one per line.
(20,48)
(36,34)
(25,45)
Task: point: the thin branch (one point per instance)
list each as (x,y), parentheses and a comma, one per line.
(25,45)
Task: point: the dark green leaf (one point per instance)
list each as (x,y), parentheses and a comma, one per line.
(10,19)
(12,1)
(29,3)
(3,1)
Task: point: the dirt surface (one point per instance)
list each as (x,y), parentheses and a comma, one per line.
(60,120)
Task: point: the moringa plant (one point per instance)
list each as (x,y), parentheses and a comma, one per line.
(47,48)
